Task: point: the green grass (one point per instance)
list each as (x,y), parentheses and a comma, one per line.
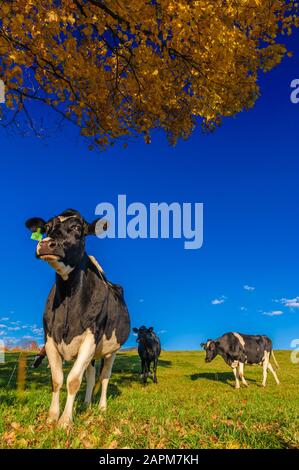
(194,405)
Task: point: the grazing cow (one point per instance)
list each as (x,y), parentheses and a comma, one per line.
(86,317)
(237,349)
(149,349)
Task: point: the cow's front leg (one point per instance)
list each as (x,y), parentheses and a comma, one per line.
(104,378)
(85,355)
(155,370)
(55,363)
(142,375)
(146,370)
(241,374)
(235,371)
(90,381)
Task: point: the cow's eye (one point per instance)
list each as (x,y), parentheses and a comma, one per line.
(47,228)
(76,227)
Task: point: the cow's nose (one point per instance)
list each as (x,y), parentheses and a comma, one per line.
(52,244)
(47,247)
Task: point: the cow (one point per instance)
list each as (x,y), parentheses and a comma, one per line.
(238,349)
(86,317)
(149,350)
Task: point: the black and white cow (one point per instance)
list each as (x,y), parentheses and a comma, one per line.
(237,349)
(149,349)
(86,317)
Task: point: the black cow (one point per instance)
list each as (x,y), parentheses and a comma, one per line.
(86,317)
(149,349)
(237,349)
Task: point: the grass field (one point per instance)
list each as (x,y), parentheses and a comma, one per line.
(194,405)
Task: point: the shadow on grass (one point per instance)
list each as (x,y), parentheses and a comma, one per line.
(224,377)
(125,362)
(34,378)
(126,371)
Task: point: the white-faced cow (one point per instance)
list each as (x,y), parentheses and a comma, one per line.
(149,349)
(237,349)
(86,317)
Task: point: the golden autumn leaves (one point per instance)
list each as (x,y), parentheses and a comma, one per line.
(118,68)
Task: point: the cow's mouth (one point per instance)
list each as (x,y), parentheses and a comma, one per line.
(49,257)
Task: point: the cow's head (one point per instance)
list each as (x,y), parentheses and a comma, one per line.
(64,244)
(211,348)
(144,335)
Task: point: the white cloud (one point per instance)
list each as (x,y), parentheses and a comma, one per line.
(243,309)
(141,301)
(13,331)
(273,313)
(161,332)
(249,288)
(219,301)
(38,331)
(291,303)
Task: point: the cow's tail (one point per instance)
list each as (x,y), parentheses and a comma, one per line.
(39,358)
(274,359)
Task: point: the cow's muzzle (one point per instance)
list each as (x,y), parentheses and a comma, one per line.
(49,250)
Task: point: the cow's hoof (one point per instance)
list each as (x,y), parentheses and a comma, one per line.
(103,408)
(237,387)
(155,380)
(64,423)
(52,419)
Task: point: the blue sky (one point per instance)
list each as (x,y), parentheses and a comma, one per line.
(246,174)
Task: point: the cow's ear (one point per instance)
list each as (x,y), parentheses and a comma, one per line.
(135,330)
(203,345)
(97,227)
(151,329)
(36,223)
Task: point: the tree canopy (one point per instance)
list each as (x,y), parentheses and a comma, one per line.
(119,68)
